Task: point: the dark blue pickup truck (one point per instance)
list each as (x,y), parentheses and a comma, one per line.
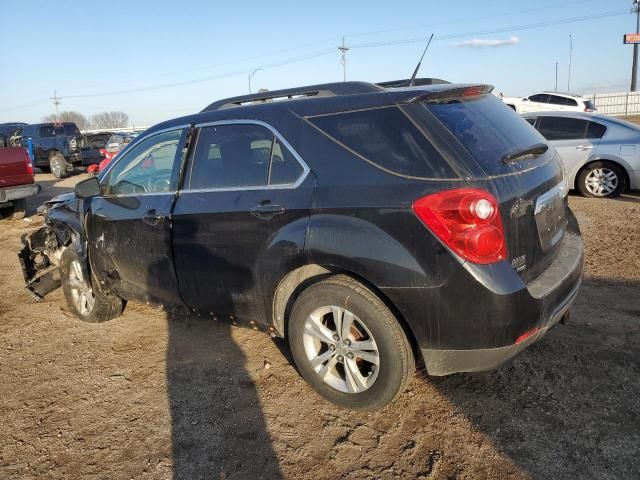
(56,146)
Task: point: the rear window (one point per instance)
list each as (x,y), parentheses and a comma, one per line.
(387,138)
(47,131)
(71,130)
(487,129)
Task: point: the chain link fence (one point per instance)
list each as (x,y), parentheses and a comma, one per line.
(618,104)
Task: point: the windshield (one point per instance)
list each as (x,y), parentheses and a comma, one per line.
(488,130)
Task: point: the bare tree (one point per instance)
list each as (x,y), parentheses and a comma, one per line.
(110,120)
(79,119)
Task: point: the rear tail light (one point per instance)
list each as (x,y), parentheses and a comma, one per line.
(467,221)
(29,165)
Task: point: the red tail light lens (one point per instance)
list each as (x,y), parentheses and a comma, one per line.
(28,163)
(466,220)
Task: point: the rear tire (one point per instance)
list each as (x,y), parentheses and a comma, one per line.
(88,304)
(58,165)
(348,345)
(19,209)
(601,180)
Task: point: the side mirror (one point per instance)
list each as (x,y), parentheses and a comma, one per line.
(88,188)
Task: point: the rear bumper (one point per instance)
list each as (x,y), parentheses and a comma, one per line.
(8,194)
(446,362)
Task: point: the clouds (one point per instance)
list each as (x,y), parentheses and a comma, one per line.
(487,42)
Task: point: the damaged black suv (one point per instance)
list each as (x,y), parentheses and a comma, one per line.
(371,226)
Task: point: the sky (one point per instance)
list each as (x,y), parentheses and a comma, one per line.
(157,60)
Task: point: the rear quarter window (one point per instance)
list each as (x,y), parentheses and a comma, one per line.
(387,138)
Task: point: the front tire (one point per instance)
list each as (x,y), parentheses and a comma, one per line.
(87,303)
(58,165)
(348,345)
(601,180)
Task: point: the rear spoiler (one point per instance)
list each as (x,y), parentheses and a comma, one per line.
(466,91)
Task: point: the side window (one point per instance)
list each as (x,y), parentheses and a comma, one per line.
(285,169)
(240,155)
(531,120)
(149,167)
(71,130)
(47,131)
(555,100)
(596,130)
(540,98)
(560,128)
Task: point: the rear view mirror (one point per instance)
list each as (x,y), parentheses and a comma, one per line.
(88,188)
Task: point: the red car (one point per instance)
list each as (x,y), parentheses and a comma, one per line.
(16,182)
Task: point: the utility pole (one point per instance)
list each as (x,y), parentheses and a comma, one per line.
(556,89)
(251,76)
(634,66)
(344,49)
(570,59)
(56,101)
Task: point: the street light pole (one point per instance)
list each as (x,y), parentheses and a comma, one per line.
(556,77)
(251,76)
(634,67)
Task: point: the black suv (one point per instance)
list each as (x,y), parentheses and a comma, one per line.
(56,146)
(372,227)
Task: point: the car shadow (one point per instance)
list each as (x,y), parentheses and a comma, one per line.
(218,430)
(570,397)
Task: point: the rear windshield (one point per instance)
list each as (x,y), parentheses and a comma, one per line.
(487,129)
(71,130)
(387,138)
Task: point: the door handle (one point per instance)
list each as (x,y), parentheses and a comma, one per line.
(584,147)
(152,218)
(266,210)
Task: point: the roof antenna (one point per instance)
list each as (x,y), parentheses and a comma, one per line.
(412,82)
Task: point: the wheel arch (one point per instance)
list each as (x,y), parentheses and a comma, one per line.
(298,280)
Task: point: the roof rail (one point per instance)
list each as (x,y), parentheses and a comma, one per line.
(407,81)
(323,90)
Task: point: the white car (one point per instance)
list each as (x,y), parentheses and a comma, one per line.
(550,101)
(601,155)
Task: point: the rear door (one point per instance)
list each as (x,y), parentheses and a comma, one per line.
(129,226)
(575,139)
(243,188)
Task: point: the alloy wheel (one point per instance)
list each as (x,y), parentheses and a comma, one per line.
(81,292)
(341,349)
(601,182)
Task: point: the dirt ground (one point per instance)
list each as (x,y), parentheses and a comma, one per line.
(152,397)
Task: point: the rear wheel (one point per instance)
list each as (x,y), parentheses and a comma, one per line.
(348,345)
(89,304)
(58,165)
(601,180)
(19,209)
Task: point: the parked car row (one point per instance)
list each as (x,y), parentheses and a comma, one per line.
(60,147)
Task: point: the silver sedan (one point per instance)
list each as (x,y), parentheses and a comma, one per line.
(601,154)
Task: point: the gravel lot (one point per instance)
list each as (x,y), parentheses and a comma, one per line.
(152,397)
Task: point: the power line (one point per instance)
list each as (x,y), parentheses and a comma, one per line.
(331,50)
(513,28)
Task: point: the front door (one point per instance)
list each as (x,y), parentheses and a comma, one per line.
(129,225)
(243,186)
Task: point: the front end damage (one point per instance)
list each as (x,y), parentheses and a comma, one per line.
(41,252)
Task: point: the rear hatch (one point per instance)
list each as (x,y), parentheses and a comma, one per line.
(506,156)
